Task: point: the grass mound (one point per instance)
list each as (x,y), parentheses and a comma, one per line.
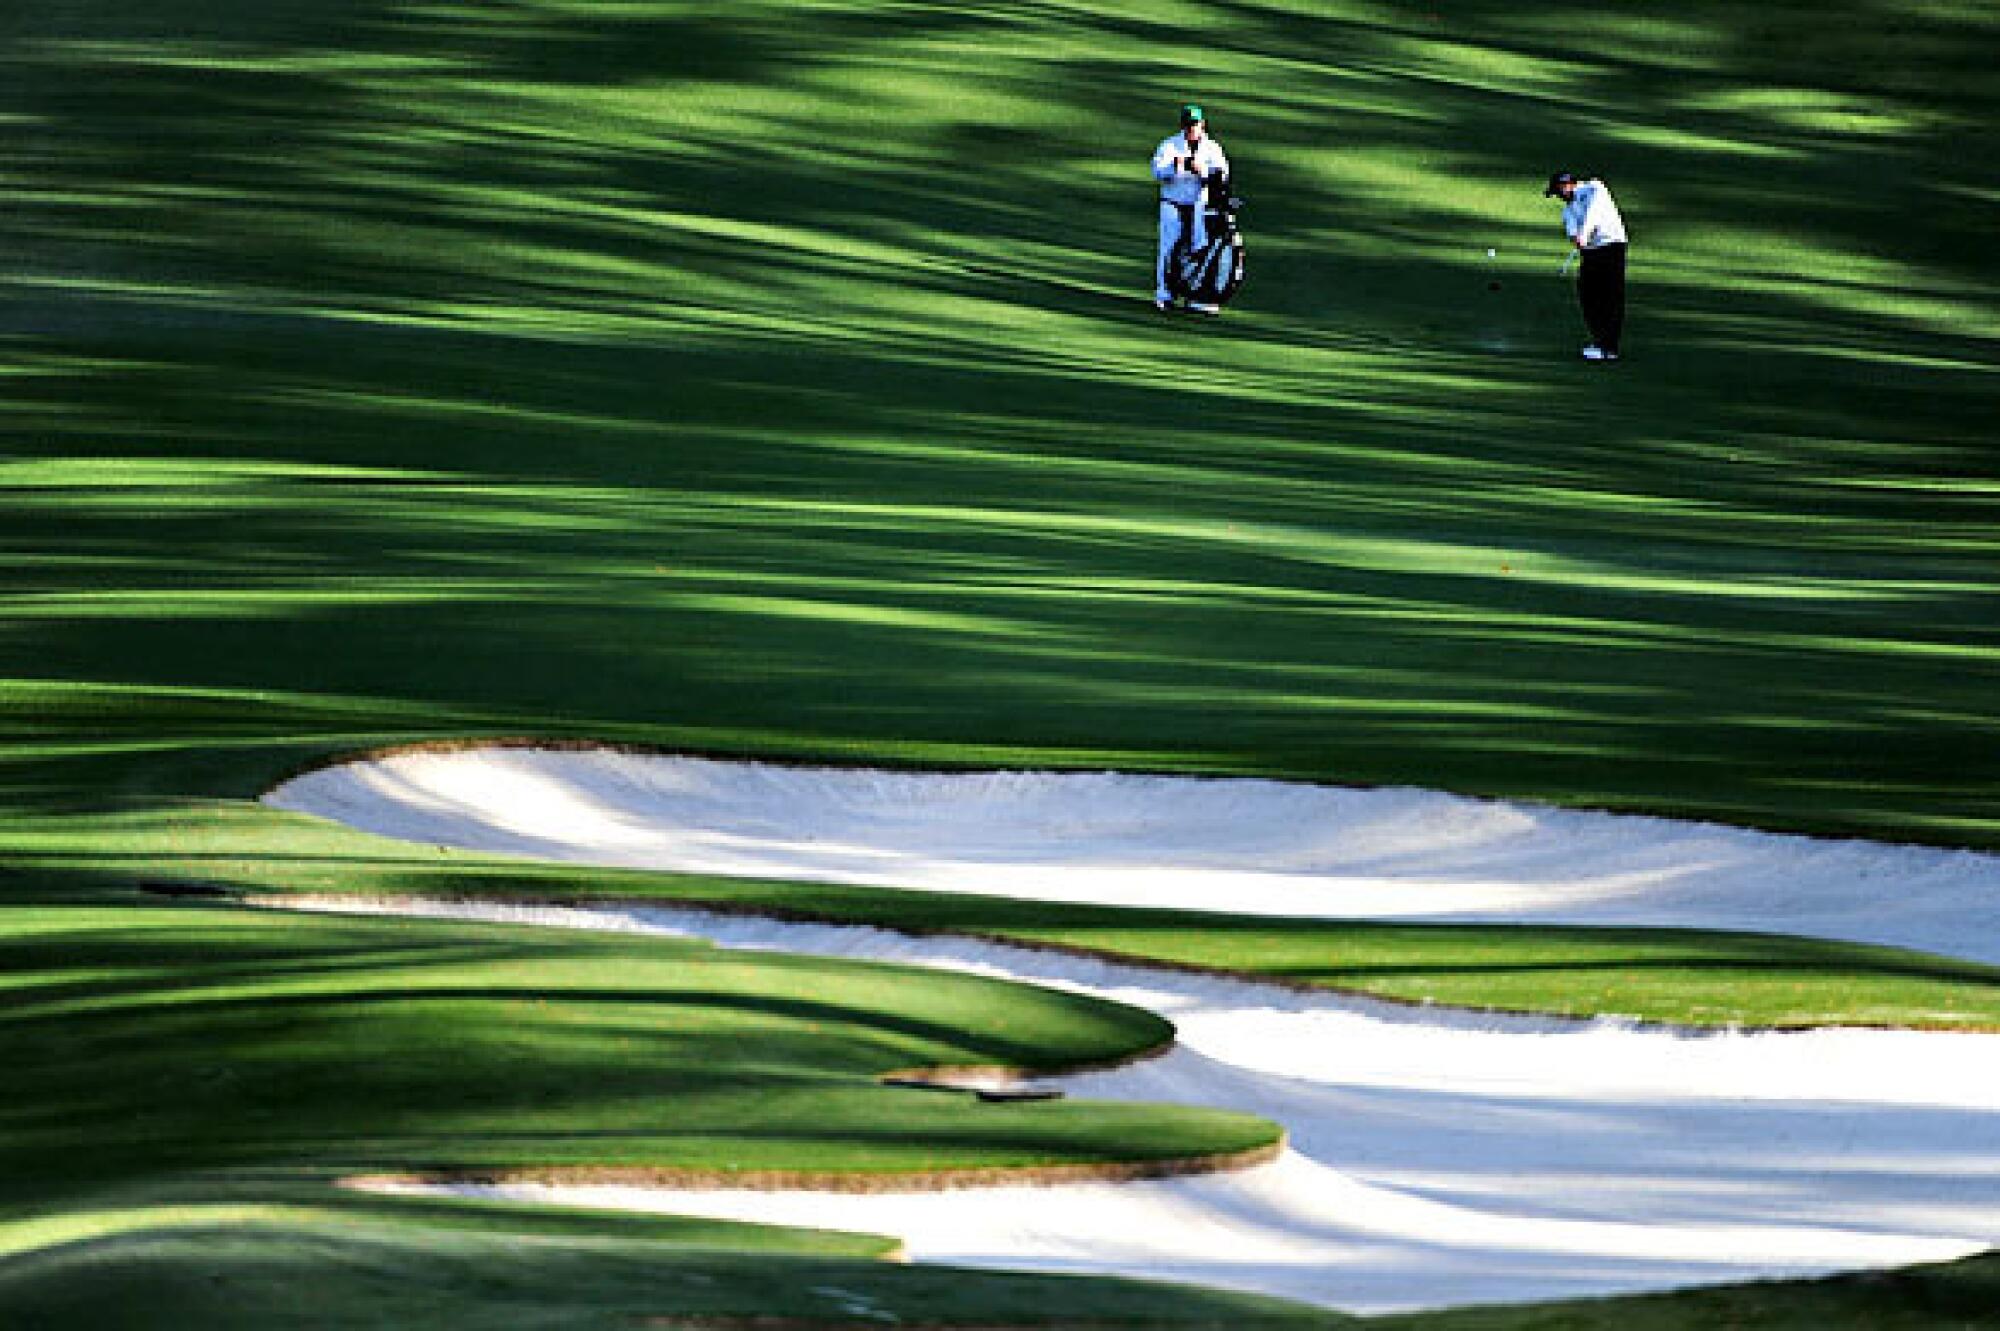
(252,1041)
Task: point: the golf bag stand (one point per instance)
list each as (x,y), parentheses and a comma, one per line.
(1210,273)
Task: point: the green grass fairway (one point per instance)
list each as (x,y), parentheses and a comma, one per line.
(775,379)
(780,382)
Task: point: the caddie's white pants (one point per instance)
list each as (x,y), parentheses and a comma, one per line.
(1170,232)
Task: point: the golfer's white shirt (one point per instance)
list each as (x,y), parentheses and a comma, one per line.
(1177,186)
(1591,218)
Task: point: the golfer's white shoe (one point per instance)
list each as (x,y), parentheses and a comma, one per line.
(1594,352)
(1204,309)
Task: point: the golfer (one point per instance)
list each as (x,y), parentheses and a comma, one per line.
(1183,164)
(1591,219)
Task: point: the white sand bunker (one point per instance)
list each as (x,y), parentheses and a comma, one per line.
(1437,1158)
(1249,847)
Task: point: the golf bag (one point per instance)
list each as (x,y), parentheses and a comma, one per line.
(1209,274)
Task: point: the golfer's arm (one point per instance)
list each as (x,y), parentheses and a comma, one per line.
(1592,222)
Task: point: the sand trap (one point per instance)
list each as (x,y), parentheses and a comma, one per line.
(1251,847)
(1438,1158)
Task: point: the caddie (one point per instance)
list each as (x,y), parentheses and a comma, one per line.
(1183,165)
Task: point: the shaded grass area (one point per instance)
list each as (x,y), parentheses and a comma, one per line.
(772,381)
(263,1253)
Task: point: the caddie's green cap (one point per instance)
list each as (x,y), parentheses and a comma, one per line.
(1191,114)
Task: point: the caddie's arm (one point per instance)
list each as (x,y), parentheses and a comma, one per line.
(1166,162)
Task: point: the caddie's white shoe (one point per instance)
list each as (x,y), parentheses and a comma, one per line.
(1164,306)
(1594,352)
(1204,309)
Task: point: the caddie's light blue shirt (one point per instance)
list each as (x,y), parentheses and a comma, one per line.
(1185,186)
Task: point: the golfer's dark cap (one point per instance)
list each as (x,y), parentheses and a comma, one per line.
(1556,183)
(1191,114)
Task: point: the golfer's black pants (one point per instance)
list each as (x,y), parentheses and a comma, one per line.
(1600,289)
